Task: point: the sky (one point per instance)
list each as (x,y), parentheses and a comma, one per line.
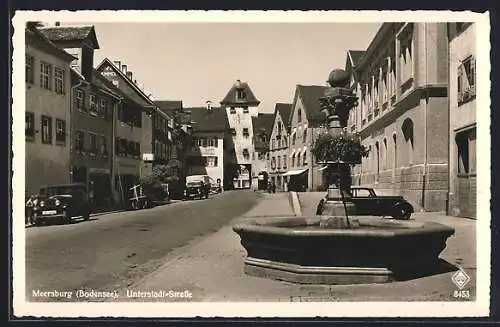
(196,62)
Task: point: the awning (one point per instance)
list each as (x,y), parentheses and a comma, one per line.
(294,172)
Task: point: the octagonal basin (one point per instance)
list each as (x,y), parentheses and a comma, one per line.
(297,249)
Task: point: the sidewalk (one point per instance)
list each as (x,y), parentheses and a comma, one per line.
(212,269)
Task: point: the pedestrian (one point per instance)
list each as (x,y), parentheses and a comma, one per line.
(273,187)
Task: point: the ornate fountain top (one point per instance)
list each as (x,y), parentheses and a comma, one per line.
(338,78)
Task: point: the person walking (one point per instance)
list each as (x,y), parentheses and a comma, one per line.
(273,186)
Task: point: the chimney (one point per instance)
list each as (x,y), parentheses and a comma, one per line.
(238,84)
(117,64)
(57,24)
(129,75)
(124,69)
(209,105)
(135,81)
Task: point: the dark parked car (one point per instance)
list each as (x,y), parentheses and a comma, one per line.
(61,202)
(196,190)
(368,203)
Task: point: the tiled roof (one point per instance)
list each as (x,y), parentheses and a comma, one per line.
(310,95)
(32,30)
(230,98)
(262,125)
(356,56)
(169,106)
(284,109)
(69,33)
(204,120)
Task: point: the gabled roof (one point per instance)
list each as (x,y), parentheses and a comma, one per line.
(285,110)
(230,98)
(32,31)
(262,125)
(169,106)
(71,33)
(355,56)
(103,83)
(107,62)
(204,120)
(310,95)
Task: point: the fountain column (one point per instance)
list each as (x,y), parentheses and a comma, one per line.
(336,103)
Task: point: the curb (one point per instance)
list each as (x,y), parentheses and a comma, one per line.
(297,210)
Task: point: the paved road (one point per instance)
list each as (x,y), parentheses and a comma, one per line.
(114,250)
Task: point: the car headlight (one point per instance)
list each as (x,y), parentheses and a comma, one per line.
(58,203)
(42,204)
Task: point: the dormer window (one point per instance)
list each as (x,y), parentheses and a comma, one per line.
(245,110)
(299,115)
(232,110)
(245,132)
(241,95)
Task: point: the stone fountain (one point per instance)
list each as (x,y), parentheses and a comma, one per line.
(333,249)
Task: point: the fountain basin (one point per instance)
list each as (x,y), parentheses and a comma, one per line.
(296,249)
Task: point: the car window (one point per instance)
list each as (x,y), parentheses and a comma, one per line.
(363,193)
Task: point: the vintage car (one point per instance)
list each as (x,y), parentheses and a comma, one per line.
(196,190)
(368,203)
(141,197)
(61,202)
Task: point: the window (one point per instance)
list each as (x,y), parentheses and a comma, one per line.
(233,132)
(240,95)
(294,138)
(304,158)
(211,161)
(29,127)
(292,164)
(279,162)
(30,72)
(103,105)
(246,154)
(45,76)
(384,155)
(59,80)
(131,148)
(395,152)
(60,131)
(466,150)
(204,142)
(263,138)
(405,58)
(245,132)
(80,103)
(93,143)
(245,110)
(304,136)
(273,163)
(79,141)
(408,135)
(93,105)
(299,157)
(46,129)
(103,147)
(284,161)
(215,141)
(232,110)
(299,115)
(285,141)
(466,80)
(137,149)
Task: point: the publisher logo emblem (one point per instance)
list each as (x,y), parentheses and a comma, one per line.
(460,278)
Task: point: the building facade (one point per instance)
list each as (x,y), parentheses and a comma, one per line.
(92,113)
(133,128)
(462,136)
(401,82)
(206,155)
(241,105)
(306,121)
(48,112)
(262,126)
(278,162)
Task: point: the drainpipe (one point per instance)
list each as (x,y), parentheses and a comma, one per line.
(72,126)
(113,150)
(449,192)
(424,168)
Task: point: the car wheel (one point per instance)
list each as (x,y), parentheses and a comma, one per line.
(86,216)
(135,205)
(402,212)
(67,219)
